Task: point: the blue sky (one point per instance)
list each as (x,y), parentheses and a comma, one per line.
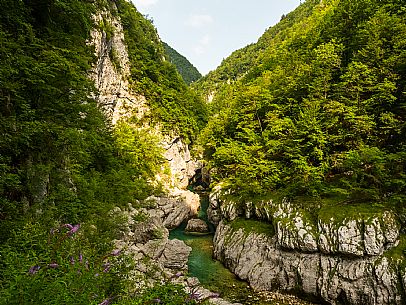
(206,31)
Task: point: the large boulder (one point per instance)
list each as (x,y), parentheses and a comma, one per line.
(174,208)
(175,255)
(186,206)
(181,165)
(197,226)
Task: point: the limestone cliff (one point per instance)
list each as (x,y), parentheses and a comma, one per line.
(340,260)
(112,70)
(111,76)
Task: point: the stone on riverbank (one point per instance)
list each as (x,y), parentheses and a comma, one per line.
(174,208)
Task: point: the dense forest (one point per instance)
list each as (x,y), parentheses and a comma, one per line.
(63,167)
(314,112)
(188,72)
(315,109)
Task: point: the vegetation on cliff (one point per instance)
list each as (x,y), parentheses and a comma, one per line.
(63,167)
(172,103)
(316,107)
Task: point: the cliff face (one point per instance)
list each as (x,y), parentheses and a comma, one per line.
(111,76)
(112,71)
(341,261)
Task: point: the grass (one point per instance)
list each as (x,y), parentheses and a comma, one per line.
(398,253)
(350,211)
(250,225)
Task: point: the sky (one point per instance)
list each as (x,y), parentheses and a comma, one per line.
(207,31)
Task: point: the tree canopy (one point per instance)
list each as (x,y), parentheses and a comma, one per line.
(315,108)
(188,72)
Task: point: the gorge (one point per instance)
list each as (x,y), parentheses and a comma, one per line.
(278,178)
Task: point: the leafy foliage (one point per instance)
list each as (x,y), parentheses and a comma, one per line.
(60,267)
(316,107)
(168,294)
(188,72)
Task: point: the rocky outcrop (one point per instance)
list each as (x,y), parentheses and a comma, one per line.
(341,256)
(284,261)
(181,166)
(145,239)
(197,226)
(214,214)
(355,235)
(175,208)
(294,229)
(175,254)
(366,236)
(112,70)
(156,259)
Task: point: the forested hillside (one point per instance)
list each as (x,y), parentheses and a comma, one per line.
(316,108)
(313,115)
(63,166)
(172,104)
(188,72)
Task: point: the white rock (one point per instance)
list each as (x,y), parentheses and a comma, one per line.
(353,279)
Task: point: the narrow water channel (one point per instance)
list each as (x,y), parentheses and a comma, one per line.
(211,273)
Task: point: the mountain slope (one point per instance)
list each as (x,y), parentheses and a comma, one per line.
(188,72)
(248,58)
(315,108)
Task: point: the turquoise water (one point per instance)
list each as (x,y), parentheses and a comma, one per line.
(211,273)
(204,205)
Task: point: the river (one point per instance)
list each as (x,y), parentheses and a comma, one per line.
(213,275)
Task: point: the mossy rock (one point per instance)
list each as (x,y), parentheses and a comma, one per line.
(398,254)
(253,226)
(338,213)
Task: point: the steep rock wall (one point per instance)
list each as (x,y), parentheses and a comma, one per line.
(112,70)
(181,164)
(111,76)
(338,259)
(337,279)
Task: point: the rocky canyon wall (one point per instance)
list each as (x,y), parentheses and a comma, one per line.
(349,259)
(111,76)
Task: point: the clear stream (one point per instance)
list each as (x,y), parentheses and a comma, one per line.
(211,273)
